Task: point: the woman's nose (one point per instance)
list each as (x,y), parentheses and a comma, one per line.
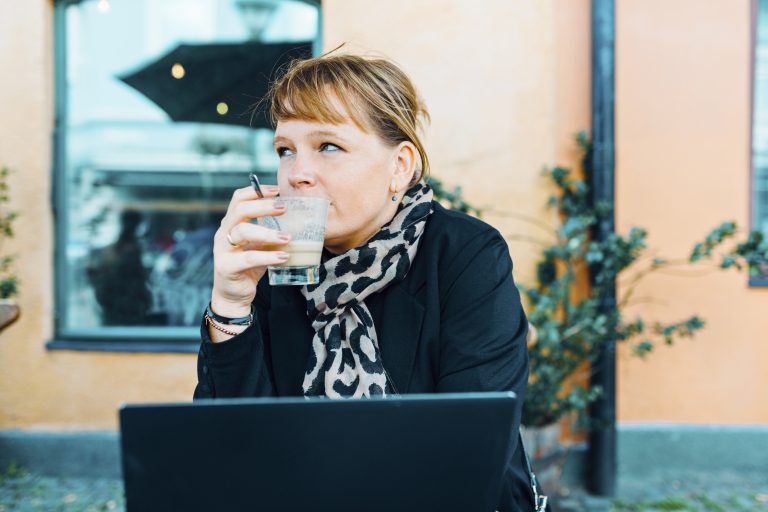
(301,174)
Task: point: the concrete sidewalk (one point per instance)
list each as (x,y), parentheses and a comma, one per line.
(710,491)
(700,468)
(696,491)
(24,491)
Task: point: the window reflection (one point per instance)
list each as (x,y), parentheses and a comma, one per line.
(146,181)
(118,276)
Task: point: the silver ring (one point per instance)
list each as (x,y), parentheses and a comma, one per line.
(233,244)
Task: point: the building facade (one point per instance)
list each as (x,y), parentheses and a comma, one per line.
(507,85)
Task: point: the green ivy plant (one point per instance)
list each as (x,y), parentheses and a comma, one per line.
(752,252)
(8,281)
(451,198)
(570,327)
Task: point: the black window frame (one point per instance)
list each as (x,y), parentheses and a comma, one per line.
(759,281)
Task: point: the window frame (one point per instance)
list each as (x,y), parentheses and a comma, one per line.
(119,339)
(762,281)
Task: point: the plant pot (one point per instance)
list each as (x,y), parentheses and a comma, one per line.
(541,442)
(9,312)
(547,454)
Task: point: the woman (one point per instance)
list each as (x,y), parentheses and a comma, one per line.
(413,298)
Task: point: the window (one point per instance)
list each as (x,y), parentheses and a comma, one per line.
(759,274)
(154,132)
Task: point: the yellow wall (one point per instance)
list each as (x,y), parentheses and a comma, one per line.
(683,157)
(39,389)
(506,85)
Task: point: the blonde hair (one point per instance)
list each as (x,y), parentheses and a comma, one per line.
(375,93)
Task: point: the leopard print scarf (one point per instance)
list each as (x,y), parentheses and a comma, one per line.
(345,361)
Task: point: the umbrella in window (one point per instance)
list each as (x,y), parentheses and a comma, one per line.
(214,83)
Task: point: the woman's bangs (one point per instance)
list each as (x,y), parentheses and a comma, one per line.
(314,102)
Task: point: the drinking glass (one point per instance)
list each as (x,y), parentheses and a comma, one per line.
(304,219)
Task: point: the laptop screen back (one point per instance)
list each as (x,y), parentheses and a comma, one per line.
(414,452)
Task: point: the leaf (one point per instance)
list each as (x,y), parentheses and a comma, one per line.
(582,139)
(9,287)
(642,349)
(8,282)
(546,272)
(454,199)
(729,261)
(714,239)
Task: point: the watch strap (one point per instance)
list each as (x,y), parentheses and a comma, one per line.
(242,320)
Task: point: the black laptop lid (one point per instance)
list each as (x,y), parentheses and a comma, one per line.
(415,452)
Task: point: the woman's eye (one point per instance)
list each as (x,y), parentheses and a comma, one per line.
(282,151)
(327,146)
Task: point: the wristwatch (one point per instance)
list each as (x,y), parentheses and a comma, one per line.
(242,320)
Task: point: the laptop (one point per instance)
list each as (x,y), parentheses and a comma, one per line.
(441,452)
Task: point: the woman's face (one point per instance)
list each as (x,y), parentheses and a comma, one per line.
(352,168)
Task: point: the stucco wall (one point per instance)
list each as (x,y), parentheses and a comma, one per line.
(683,166)
(506,85)
(40,389)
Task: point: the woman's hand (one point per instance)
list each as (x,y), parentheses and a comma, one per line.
(238,268)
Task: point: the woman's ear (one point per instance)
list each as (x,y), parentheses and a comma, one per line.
(405,165)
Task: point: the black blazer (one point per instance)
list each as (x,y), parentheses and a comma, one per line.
(454,324)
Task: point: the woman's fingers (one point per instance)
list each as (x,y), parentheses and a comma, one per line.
(249,235)
(244,194)
(249,194)
(236,262)
(239,254)
(247,210)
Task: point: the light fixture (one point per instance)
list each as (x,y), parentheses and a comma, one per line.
(256,15)
(103,6)
(222,108)
(178,71)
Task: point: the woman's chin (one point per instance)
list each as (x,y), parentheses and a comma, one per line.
(331,241)
(337,241)
(335,232)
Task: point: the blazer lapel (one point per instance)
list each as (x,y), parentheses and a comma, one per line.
(291,338)
(402,319)
(399,334)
